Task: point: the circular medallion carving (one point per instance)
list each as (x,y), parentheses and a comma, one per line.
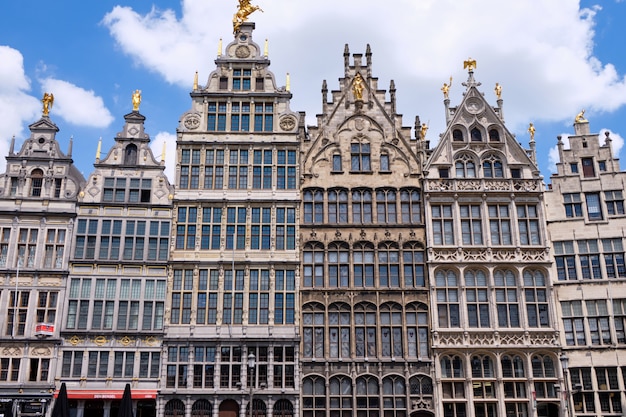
(474,105)
(288,123)
(192,122)
(242,51)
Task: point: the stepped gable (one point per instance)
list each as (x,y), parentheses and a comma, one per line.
(360,114)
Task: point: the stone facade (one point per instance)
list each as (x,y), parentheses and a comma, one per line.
(38,196)
(495,343)
(365,319)
(586,220)
(232,335)
(113,322)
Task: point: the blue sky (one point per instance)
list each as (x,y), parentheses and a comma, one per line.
(552,58)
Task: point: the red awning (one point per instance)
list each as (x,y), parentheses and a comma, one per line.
(106,394)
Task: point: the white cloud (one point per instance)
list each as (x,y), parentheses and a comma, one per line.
(617,142)
(76,105)
(16,106)
(170,152)
(540,52)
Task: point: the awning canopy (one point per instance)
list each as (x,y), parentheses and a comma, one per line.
(105,394)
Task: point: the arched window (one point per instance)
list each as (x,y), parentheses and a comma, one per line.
(313,206)
(507,299)
(536,295)
(447,298)
(283,408)
(391,330)
(313,265)
(130,155)
(313,331)
(338,206)
(367,400)
(201,408)
(452,367)
(413,265)
(365,330)
(313,396)
(338,265)
(339,330)
(465,166)
(476,135)
(175,408)
(340,388)
(494,135)
(544,375)
(36,182)
(386,206)
(492,167)
(388,265)
(410,206)
(362,206)
(421,385)
(259,409)
(417,330)
(482,366)
(363,264)
(457,135)
(394,395)
(477,296)
(512,367)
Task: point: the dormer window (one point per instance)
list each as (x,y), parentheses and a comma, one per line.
(494,135)
(457,135)
(337,162)
(360,157)
(36,181)
(588,169)
(241,79)
(476,135)
(130,155)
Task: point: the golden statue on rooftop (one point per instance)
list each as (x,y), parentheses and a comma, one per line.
(136,100)
(531,131)
(357,87)
(446,89)
(469,64)
(48,101)
(498,90)
(580,117)
(244,10)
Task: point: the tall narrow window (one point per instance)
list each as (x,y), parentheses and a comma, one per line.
(443,233)
(362,206)
(588,168)
(262,169)
(471,224)
(386,206)
(36,179)
(314,206)
(338,206)
(499,224)
(536,294)
(447,298)
(240,117)
(477,295)
(507,300)
(130,155)
(528,222)
(360,157)
(263,117)
(216,117)
(594,212)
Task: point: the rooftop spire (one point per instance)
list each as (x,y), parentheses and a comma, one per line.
(470,65)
